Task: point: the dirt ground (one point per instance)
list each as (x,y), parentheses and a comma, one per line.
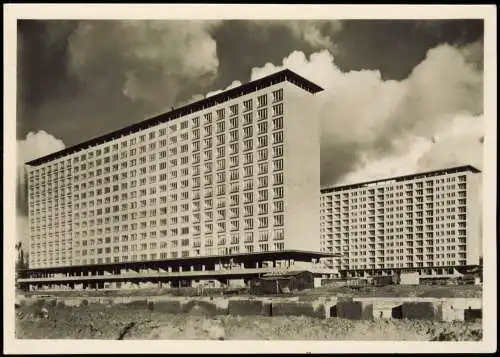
(120,322)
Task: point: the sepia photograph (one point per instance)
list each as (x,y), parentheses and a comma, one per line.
(297,175)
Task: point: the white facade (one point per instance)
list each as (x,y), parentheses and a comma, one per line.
(239,176)
(428,221)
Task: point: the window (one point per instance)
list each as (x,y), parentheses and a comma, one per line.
(248,185)
(248,197)
(278,206)
(262,114)
(278,220)
(247,158)
(278,137)
(220,127)
(262,100)
(233,123)
(278,192)
(247,171)
(221,139)
(247,145)
(277,95)
(247,119)
(263,195)
(247,105)
(221,151)
(263,222)
(233,135)
(248,223)
(263,208)
(208,155)
(262,140)
(278,165)
(208,118)
(262,168)
(262,154)
(247,132)
(233,174)
(233,161)
(233,148)
(221,113)
(278,123)
(262,128)
(263,180)
(233,109)
(277,110)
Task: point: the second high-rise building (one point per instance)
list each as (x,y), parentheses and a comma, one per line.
(427,222)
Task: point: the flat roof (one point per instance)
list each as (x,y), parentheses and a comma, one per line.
(402,178)
(299,255)
(197,274)
(278,77)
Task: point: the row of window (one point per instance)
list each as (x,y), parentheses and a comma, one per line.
(248,170)
(58,167)
(171,199)
(387,201)
(196,158)
(221,239)
(248,144)
(211,188)
(209,251)
(408,186)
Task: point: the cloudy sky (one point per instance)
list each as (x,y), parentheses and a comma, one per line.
(401,96)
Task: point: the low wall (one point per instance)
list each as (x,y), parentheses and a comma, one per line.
(203,307)
(249,308)
(352,310)
(296,308)
(457,309)
(424,310)
(170,307)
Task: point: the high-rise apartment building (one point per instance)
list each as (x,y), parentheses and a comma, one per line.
(234,173)
(427,222)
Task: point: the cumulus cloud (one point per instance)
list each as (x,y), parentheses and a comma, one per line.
(312,32)
(397,165)
(157,63)
(459,144)
(317,33)
(35,145)
(374,127)
(156,59)
(234,84)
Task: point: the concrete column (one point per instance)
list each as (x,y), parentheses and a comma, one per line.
(192,268)
(203,267)
(180,268)
(169,269)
